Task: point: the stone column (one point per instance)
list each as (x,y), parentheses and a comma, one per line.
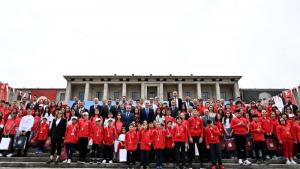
(236,90)
(124,89)
(87,91)
(68,91)
(161,91)
(218,92)
(142,90)
(180,90)
(199,92)
(105,91)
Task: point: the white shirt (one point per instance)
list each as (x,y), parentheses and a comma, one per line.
(26,123)
(227,124)
(57,121)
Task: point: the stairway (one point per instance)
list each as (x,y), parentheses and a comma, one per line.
(39,161)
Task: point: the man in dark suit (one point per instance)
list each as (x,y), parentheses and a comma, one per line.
(291,105)
(81,107)
(147,113)
(188,102)
(111,108)
(105,109)
(127,117)
(178,101)
(189,113)
(94,107)
(174,110)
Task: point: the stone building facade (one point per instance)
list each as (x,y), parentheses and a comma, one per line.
(136,86)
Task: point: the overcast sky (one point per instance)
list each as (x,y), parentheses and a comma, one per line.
(40,41)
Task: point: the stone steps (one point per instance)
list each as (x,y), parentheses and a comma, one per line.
(122,165)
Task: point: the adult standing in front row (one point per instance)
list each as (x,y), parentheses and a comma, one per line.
(57,133)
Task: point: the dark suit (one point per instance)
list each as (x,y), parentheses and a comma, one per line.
(104,111)
(127,119)
(174,111)
(92,110)
(149,118)
(294,108)
(112,109)
(57,133)
(189,104)
(179,102)
(188,115)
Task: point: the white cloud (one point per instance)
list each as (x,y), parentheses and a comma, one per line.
(40,41)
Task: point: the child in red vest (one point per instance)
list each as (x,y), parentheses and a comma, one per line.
(108,140)
(10,131)
(180,136)
(212,141)
(159,135)
(145,145)
(257,131)
(84,133)
(97,135)
(285,136)
(71,137)
(169,143)
(131,141)
(42,135)
(297,133)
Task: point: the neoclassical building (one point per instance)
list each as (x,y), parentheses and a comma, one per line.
(142,86)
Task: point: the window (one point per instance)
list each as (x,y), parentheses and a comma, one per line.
(81,95)
(188,94)
(205,95)
(152,94)
(223,95)
(62,96)
(116,95)
(99,95)
(134,96)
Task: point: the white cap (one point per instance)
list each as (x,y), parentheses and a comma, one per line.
(74,118)
(98,119)
(85,113)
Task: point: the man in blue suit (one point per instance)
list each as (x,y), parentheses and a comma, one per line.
(127,117)
(147,113)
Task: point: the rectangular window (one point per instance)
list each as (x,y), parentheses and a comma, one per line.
(62,96)
(134,96)
(223,95)
(99,95)
(81,95)
(204,95)
(116,95)
(152,94)
(188,94)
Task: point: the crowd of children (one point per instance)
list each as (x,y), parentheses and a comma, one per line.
(211,130)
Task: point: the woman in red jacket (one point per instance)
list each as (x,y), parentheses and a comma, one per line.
(71,137)
(108,141)
(145,145)
(159,135)
(97,137)
(212,141)
(285,136)
(181,142)
(85,126)
(131,141)
(42,135)
(257,131)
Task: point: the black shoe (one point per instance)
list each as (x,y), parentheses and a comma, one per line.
(49,161)
(57,161)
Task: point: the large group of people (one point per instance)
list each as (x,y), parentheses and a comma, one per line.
(175,131)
